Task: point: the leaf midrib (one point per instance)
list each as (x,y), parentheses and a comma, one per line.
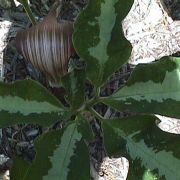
(125,136)
(145,94)
(65,157)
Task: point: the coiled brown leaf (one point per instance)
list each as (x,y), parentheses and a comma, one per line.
(48,46)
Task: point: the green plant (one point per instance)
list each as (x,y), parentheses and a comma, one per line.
(152,89)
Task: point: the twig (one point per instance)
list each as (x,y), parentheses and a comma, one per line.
(95,113)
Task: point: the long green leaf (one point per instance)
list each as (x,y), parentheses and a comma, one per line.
(27,101)
(153,154)
(74,83)
(61,155)
(98,38)
(152,88)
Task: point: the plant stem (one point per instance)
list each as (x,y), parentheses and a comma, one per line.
(100,99)
(95,113)
(91,102)
(95,99)
(98,90)
(28,11)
